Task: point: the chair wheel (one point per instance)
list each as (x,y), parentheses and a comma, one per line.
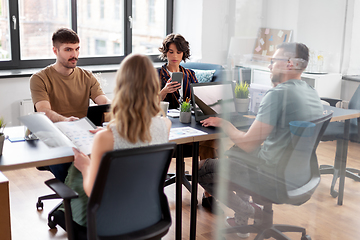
(52,224)
(52,221)
(306,237)
(334,193)
(39,205)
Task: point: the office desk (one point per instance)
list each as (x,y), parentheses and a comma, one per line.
(35,153)
(338,115)
(212,134)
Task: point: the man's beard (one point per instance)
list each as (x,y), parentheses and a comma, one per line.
(276,78)
(70,65)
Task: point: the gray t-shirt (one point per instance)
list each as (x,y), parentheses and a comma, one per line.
(293,100)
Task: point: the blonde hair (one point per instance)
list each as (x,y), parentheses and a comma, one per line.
(136,98)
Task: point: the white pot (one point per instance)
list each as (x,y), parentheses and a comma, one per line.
(185,117)
(2,139)
(242,104)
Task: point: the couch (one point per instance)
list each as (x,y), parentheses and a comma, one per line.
(206,72)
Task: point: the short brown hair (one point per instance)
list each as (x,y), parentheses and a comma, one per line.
(64,35)
(296,50)
(181,45)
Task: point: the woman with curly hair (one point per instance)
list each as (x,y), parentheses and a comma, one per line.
(135,123)
(175,49)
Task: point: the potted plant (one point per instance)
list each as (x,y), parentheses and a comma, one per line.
(242,97)
(2,136)
(185,112)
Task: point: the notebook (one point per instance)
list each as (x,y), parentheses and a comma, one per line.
(216,100)
(96,113)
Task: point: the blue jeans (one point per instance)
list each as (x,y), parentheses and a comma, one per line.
(232,196)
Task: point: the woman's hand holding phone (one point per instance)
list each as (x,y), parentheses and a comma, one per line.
(171,86)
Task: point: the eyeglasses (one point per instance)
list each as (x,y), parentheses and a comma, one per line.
(273,60)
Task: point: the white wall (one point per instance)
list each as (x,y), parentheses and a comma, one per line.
(12,91)
(281,14)
(205,24)
(216,26)
(248,18)
(321,27)
(317,23)
(188,23)
(352,52)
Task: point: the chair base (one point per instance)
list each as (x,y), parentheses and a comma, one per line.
(171,179)
(349,172)
(275,231)
(40,204)
(266,229)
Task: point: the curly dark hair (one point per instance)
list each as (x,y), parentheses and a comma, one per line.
(181,45)
(64,35)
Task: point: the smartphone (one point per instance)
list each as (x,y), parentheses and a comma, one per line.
(177,77)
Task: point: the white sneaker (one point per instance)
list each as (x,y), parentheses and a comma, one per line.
(231,222)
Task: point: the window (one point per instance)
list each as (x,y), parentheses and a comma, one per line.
(116,48)
(88,8)
(107,26)
(148,33)
(151,11)
(55,9)
(100,47)
(102,9)
(134,10)
(5,48)
(107,32)
(117,11)
(35,36)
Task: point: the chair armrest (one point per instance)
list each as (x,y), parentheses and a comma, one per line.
(331,101)
(235,153)
(61,189)
(358,129)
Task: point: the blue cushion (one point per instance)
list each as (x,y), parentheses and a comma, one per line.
(204,75)
(206,66)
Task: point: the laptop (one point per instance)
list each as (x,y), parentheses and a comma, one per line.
(217,100)
(95,113)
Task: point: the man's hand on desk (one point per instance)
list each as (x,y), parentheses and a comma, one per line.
(212,122)
(72,118)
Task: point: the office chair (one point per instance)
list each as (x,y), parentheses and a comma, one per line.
(116,207)
(335,131)
(96,114)
(171,177)
(292,181)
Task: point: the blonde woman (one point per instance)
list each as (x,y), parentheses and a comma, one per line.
(134,123)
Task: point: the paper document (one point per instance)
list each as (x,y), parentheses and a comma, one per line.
(71,134)
(184,132)
(173,113)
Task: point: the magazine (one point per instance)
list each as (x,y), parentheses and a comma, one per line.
(61,134)
(183,132)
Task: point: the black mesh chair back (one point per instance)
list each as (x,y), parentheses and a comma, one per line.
(298,170)
(336,132)
(296,176)
(127,200)
(354,103)
(292,181)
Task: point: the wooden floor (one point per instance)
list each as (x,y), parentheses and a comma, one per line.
(321,216)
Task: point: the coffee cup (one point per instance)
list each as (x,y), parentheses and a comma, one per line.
(165,107)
